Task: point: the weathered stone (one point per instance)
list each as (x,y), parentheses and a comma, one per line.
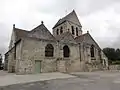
(29,49)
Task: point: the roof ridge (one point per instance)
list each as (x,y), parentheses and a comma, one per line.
(68,18)
(68,14)
(41,28)
(21,29)
(64,35)
(37,27)
(81,35)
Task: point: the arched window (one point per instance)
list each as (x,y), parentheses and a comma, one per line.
(76,31)
(49,50)
(61,30)
(66,51)
(57,32)
(72,27)
(92,51)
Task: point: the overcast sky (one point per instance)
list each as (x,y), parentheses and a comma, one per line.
(100,17)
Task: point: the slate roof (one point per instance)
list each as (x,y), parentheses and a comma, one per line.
(81,38)
(66,37)
(63,35)
(40,32)
(20,33)
(86,38)
(68,18)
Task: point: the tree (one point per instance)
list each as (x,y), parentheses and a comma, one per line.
(110,53)
(113,55)
(0,61)
(118,54)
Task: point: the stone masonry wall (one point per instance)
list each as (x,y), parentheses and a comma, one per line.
(88,63)
(18,55)
(35,50)
(69,24)
(64,25)
(11,61)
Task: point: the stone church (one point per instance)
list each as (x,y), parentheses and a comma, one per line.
(66,50)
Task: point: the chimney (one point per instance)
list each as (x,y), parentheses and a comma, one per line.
(87,31)
(42,22)
(13,26)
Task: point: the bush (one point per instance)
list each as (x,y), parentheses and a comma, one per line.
(116,63)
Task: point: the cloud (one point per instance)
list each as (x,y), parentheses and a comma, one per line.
(100,17)
(4,37)
(104,26)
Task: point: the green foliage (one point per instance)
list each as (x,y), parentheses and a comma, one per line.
(0,61)
(118,54)
(115,62)
(113,55)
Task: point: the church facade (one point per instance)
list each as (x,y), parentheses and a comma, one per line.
(66,50)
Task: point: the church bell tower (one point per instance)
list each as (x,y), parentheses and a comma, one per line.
(69,23)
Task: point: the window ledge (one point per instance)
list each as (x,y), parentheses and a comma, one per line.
(66,58)
(93,58)
(49,58)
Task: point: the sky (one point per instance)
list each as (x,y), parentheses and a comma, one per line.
(100,17)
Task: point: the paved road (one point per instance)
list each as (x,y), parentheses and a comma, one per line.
(83,81)
(10,78)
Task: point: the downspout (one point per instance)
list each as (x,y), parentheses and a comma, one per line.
(80,51)
(14,59)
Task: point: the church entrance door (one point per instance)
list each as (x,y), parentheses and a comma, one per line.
(37,66)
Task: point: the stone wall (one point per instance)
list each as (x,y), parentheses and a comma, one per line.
(6,62)
(11,60)
(18,55)
(64,25)
(114,67)
(35,50)
(69,24)
(88,63)
(67,27)
(12,57)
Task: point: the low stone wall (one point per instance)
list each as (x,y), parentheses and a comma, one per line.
(114,67)
(92,66)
